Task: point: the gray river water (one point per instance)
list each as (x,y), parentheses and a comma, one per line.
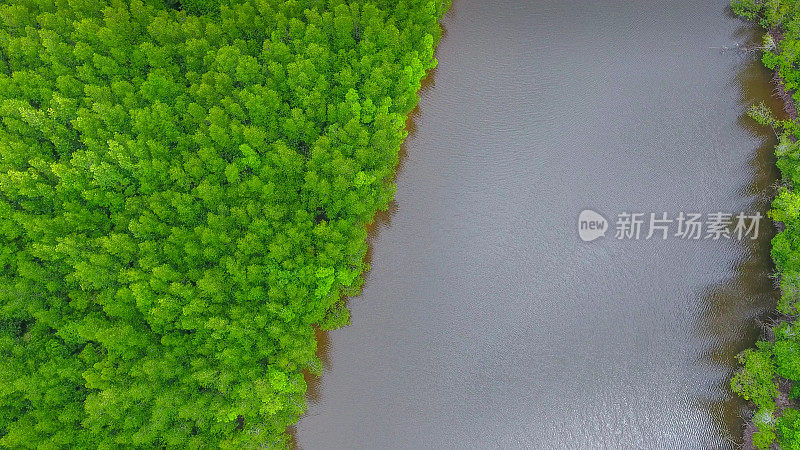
(485,321)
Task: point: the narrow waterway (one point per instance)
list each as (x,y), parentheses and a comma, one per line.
(485,321)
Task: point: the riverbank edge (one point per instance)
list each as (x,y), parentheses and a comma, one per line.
(782,400)
(313,379)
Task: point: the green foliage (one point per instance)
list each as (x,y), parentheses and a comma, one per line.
(786,351)
(755,380)
(764,421)
(788,429)
(184,190)
(787,153)
(763,438)
(769,13)
(763,115)
(200,6)
(746,8)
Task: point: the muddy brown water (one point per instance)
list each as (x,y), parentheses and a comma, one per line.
(485,321)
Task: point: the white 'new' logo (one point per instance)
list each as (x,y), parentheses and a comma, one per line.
(591,225)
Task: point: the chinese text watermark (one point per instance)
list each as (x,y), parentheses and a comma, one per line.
(688,226)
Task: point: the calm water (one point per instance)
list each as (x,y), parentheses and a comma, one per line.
(485,321)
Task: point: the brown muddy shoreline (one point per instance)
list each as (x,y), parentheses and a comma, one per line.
(782,401)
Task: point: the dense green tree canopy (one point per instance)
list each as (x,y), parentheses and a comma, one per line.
(184,189)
